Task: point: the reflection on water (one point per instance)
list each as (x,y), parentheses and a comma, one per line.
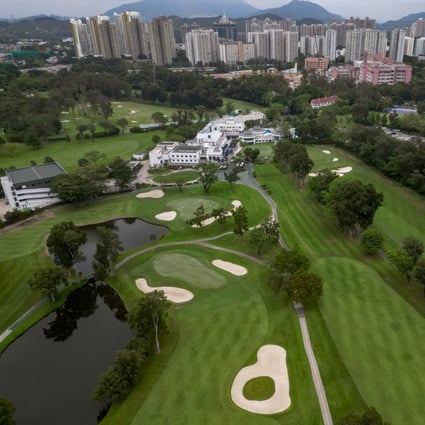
(50,371)
(132,232)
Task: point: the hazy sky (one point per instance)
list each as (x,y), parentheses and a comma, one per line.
(382,10)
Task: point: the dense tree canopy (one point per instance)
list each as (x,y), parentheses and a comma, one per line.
(353,203)
(7,409)
(47,280)
(64,242)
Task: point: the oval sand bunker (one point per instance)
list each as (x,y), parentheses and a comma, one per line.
(271,362)
(173,294)
(151,194)
(230,267)
(166,216)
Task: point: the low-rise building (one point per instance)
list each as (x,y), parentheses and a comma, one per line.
(30,187)
(321,102)
(257,135)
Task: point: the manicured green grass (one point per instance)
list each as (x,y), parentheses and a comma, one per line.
(216,334)
(266,149)
(186,268)
(261,388)
(378,335)
(67,154)
(239,104)
(23,250)
(184,176)
(305,222)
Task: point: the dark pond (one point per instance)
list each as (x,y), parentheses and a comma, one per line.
(50,372)
(131,231)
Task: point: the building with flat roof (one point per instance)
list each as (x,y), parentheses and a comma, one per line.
(30,187)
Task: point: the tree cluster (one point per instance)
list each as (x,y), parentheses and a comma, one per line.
(289,273)
(293,157)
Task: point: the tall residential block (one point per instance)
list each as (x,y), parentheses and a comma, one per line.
(162,43)
(396,52)
(82,38)
(202,47)
(226,28)
(364,42)
(132,36)
(409,43)
(330,44)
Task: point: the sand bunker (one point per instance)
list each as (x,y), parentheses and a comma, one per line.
(151,194)
(236,204)
(327,152)
(64,120)
(166,216)
(271,362)
(230,267)
(313,174)
(173,294)
(335,159)
(343,170)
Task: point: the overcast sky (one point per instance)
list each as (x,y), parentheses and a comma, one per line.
(382,10)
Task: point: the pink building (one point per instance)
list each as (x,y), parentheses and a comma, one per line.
(384,71)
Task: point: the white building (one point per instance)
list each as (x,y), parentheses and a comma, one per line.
(202,47)
(30,187)
(257,135)
(159,156)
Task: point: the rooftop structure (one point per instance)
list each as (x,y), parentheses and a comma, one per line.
(30,187)
(323,101)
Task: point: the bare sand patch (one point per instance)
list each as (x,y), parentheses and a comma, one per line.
(343,170)
(151,194)
(335,159)
(230,267)
(236,204)
(313,174)
(271,362)
(210,220)
(64,120)
(327,152)
(133,121)
(172,293)
(166,216)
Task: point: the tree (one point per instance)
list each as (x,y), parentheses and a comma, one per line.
(371,240)
(402,260)
(48,160)
(300,163)
(353,203)
(232,176)
(251,153)
(107,249)
(106,108)
(267,232)
(240,220)
(257,238)
(122,123)
(208,176)
(305,287)
(116,383)
(148,319)
(320,184)
(220,215)
(83,185)
(7,409)
(47,279)
(284,264)
(121,172)
(419,271)
(159,118)
(414,247)
(198,217)
(64,242)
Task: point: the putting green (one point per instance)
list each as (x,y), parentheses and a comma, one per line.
(261,388)
(185,207)
(188,269)
(379,336)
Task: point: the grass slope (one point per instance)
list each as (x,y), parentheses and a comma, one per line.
(219,332)
(305,223)
(378,335)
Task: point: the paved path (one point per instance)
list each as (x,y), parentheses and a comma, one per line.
(315,373)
